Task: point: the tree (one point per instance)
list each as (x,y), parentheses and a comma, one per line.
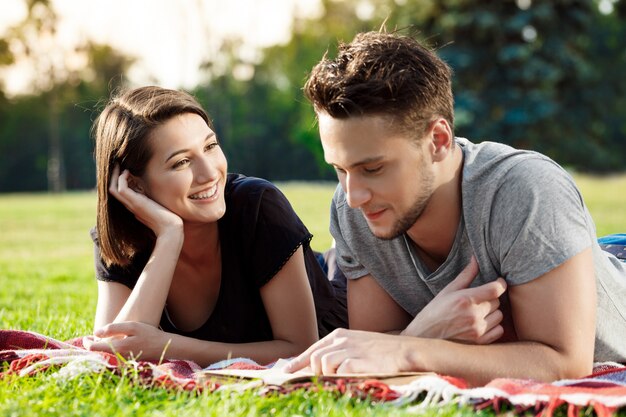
(540,74)
(537,74)
(45,134)
(60,84)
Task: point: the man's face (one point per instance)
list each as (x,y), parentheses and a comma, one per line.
(385,174)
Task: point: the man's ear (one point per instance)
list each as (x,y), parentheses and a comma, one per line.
(442,139)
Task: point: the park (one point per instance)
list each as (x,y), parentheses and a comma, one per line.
(541,76)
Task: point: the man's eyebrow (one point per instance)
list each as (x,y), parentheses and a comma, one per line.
(209,136)
(366,161)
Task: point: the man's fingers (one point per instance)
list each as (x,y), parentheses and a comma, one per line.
(493,319)
(326,361)
(490,291)
(491,335)
(304,359)
(465,278)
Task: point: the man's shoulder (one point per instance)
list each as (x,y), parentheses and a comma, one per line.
(493,155)
(489,164)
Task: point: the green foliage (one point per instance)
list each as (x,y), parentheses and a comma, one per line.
(22,163)
(253,121)
(545,75)
(531,78)
(49,127)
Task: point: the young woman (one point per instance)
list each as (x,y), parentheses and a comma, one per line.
(193,262)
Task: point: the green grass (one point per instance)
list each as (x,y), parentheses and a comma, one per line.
(47,285)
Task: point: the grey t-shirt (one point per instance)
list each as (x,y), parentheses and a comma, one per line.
(522,217)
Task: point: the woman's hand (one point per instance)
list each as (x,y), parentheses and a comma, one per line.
(133,340)
(461,313)
(125,189)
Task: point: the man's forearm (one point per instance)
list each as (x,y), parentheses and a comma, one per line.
(479,364)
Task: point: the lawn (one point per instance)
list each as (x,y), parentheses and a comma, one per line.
(47,285)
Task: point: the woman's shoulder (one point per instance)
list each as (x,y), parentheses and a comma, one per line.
(252,198)
(239,186)
(236,181)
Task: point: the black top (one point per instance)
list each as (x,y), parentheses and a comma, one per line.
(258,234)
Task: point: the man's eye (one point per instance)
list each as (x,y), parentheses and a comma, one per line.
(373,170)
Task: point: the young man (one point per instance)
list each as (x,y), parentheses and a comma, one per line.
(482,257)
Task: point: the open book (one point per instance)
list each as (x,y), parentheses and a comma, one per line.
(277,376)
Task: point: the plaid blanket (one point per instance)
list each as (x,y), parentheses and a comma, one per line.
(24,353)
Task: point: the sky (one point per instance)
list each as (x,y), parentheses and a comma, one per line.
(169,38)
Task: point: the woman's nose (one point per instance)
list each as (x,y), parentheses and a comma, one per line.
(205,169)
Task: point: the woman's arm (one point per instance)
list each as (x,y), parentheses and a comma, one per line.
(146,301)
(289,305)
(111,299)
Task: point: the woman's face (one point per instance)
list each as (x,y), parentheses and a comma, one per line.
(187,171)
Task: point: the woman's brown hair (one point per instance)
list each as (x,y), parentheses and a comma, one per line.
(122,137)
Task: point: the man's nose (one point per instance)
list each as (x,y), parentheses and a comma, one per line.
(357,193)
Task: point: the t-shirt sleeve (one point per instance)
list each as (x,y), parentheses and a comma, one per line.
(346,260)
(275,233)
(123,275)
(538,221)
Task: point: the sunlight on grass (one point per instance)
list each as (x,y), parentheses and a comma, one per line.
(606,199)
(312,203)
(48,286)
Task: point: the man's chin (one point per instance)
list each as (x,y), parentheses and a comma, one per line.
(383,233)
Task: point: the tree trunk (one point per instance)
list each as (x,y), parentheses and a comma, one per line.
(56,165)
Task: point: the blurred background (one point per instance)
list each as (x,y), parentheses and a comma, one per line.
(547,75)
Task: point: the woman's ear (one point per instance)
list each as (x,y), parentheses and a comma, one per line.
(136,184)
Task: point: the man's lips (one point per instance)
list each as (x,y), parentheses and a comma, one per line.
(373,215)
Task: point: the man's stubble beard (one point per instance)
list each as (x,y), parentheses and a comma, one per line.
(408,219)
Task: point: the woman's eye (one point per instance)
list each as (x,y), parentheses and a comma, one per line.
(210,146)
(181,163)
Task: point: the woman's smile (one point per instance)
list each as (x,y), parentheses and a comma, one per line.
(208,194)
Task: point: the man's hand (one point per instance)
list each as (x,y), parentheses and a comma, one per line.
(354,351)
(461,313)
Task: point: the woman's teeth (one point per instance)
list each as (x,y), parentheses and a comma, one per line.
(204,194)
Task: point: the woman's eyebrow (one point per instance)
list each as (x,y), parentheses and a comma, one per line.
(209,136)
